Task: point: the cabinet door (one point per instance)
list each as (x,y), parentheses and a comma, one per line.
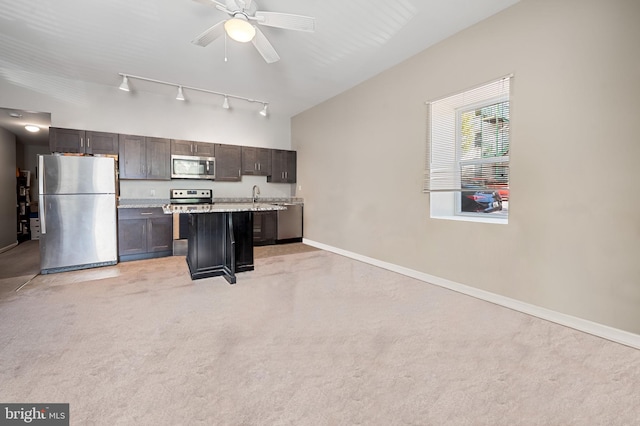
(131,157)
(278,165)
(204,149)
(243,236)
(291,166)
(179,147)
(264,228)
(101,143)
(228,162)
(160,234)
(132,236)
(66,140)
(264,161)
(158,155)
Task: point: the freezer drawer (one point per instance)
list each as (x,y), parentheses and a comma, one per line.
(77,231)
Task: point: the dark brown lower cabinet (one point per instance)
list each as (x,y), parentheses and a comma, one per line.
(144,233)
(220,244)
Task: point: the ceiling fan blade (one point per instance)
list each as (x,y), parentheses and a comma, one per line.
(286,21)
(209,2)
(265,48)
(209,35)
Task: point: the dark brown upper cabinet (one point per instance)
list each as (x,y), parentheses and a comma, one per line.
(283,166)
(256,161)
(228,162)
(199,149)
(82,142)
(143,157)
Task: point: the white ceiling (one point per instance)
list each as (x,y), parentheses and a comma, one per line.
(60,42)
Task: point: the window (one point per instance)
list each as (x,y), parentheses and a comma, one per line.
(467,172)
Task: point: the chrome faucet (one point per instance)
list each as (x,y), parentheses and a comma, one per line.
(256,192)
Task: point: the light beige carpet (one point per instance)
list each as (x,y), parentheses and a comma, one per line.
(306,339)
(18,266)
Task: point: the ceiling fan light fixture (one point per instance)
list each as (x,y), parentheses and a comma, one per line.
(31,128)
(240,29)
(180,96)
(263,111)
(225,104)
(125,84)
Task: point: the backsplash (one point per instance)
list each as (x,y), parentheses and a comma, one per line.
(159,189)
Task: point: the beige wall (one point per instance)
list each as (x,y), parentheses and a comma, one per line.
(573,240)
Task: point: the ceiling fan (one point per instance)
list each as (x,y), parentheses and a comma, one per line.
(240,27)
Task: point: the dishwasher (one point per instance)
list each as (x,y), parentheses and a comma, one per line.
(289,223)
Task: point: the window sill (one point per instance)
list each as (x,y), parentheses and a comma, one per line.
(474,218)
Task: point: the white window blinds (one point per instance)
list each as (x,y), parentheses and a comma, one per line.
(468,139)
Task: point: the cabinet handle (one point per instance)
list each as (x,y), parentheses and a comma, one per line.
(259,166)
(196,149)
(255,166)
(191,149)
(88,142)
(81,142)
(146,213)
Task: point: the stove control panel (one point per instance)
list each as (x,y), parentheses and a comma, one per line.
(204,194)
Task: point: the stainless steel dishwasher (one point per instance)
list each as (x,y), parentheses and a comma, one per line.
(289,223)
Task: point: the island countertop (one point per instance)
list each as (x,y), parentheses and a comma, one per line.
(220,208)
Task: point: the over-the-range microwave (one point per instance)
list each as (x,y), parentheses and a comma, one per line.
(191,167)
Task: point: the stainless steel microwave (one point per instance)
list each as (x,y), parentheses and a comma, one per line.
(190,167)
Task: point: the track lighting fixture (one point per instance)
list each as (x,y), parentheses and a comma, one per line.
(125,83)
(225,104)
(180,96)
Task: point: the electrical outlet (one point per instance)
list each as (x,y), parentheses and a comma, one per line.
(153,192)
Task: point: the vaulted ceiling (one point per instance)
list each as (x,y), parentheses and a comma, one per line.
(54,44)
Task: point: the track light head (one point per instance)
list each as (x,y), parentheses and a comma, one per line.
(225,104)
(180,96)
(264,112)
(125,84)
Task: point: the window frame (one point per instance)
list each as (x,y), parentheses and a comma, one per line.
(444,163)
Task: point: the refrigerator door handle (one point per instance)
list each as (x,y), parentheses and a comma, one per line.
(43,207)
(43,219)
(41,177)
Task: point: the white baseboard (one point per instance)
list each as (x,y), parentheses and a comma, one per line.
(9,247)
(600,330)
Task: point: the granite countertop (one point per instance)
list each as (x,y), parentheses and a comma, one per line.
(144,203)
(293,200)
(220,208)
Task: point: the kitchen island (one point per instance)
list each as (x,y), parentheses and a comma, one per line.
(220,237)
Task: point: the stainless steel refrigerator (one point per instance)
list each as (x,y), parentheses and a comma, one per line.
(77,207)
